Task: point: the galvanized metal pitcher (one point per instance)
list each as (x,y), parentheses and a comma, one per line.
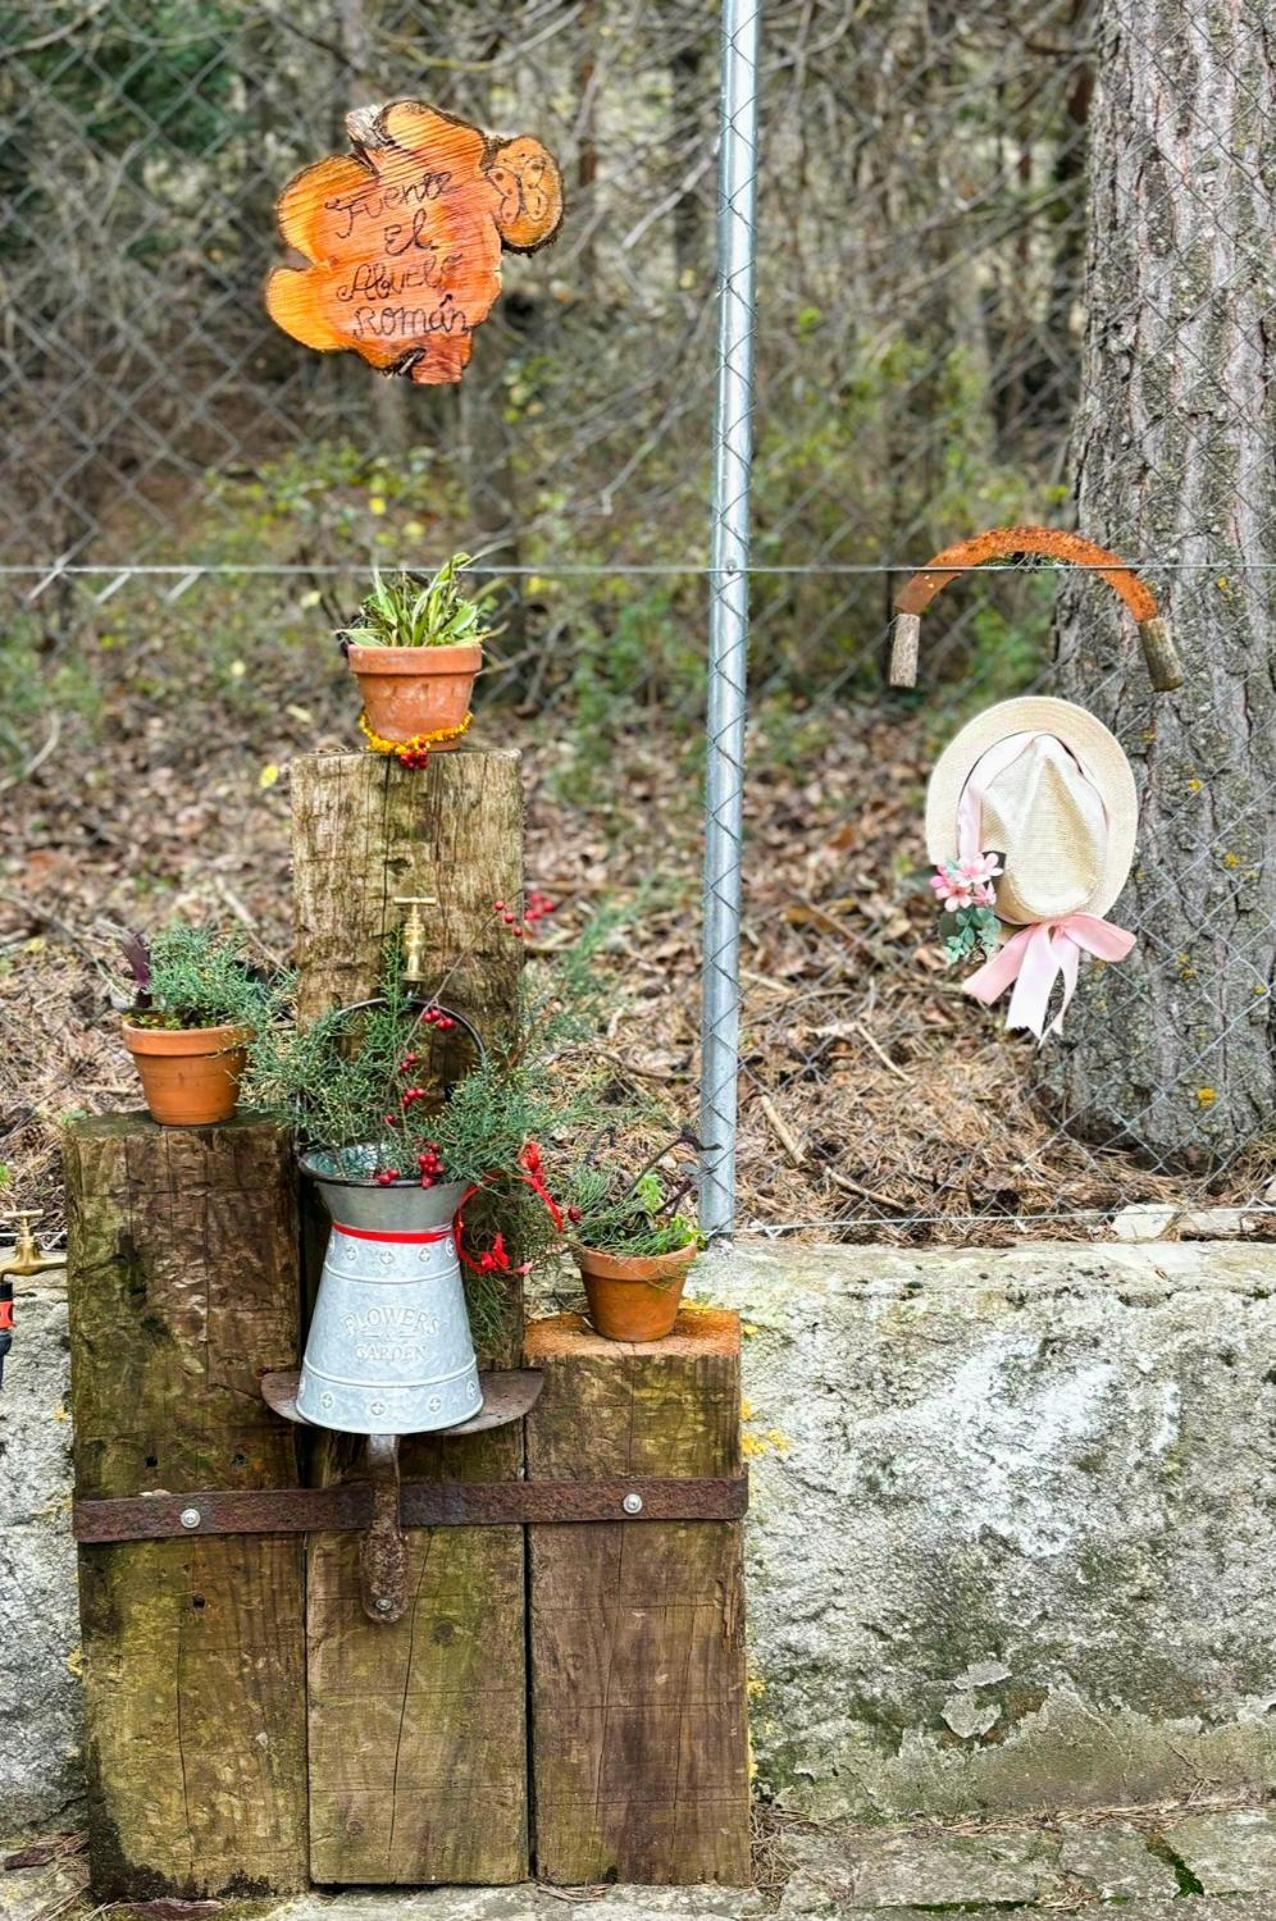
(389,1349)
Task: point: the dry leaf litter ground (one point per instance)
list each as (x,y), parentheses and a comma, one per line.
(876,1103)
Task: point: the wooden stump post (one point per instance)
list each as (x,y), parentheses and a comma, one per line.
(183,1291)
(639,1724)
(418,1747)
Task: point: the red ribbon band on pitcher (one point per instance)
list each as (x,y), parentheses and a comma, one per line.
(371,1234)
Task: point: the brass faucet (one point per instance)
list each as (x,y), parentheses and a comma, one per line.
(26,1258)
(414,934)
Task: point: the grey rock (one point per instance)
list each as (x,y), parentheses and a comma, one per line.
(526,1903)
(968,1716)
(40,1707)
(1051,1464)
(955,1870)
(835,1871)
(983,1674)
(1114,1862)
(1212,1224)
(1144,1223)
(1232,1853)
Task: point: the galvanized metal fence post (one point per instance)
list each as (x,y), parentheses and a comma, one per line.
(728,614)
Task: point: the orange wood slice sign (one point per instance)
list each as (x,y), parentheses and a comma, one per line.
(404,238)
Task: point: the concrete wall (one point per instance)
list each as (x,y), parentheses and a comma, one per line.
(40,1732)
(1013,1539)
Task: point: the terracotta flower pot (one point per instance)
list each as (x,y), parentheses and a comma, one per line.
(190,1076)
(632,1297)
(409,691)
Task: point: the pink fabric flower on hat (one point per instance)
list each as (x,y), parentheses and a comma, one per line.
(966,883)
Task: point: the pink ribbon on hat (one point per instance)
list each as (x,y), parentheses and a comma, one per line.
(1039,955)
(1045,951)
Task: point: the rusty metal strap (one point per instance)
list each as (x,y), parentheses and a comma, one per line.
(349,1506)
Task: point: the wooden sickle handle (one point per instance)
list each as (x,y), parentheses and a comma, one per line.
(999,543)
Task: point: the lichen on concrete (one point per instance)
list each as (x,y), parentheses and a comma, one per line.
(40,1695)
(1018,1546)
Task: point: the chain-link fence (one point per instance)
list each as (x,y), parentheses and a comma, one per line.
(1012,265)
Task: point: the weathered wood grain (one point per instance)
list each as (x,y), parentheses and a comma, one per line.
(639,1734)
(418,1753)
(418,1736)
(183,1290)
(364,832)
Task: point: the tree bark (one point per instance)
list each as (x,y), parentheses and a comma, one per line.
(1175,465)
(389,397)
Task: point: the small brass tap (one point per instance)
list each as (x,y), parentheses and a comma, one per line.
(414,933)
(26,1257)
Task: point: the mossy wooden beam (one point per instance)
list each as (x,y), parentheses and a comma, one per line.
(418,1738)
(183,1290)
(418,1751)
(639,1735)
(366,830)
(367,833)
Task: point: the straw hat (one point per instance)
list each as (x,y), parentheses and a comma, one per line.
(1047,787)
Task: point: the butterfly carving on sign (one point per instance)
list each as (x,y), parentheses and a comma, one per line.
(404,238)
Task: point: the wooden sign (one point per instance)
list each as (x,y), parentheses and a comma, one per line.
(404,238)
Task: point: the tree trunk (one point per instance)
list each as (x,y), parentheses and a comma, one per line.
(389,396)
(691,101)
(487,442)
(1175,461)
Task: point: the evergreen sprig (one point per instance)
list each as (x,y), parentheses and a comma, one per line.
(190,977)
(374,1081)
(638,1216)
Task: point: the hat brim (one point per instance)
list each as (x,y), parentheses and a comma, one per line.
(1096,747)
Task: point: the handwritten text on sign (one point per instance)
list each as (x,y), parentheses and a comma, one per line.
(404,238)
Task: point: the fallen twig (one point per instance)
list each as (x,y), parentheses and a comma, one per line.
(38,758)
(882,1056)
(793,1147)
(845,1182)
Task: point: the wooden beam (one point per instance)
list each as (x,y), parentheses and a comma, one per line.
(418,1752)
(418,1736)
(639,1725)
(183,1290)
(365,830)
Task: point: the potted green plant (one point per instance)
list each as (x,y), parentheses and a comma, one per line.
(634,1245)
(198,1002)
(404,1120)
(415,648)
